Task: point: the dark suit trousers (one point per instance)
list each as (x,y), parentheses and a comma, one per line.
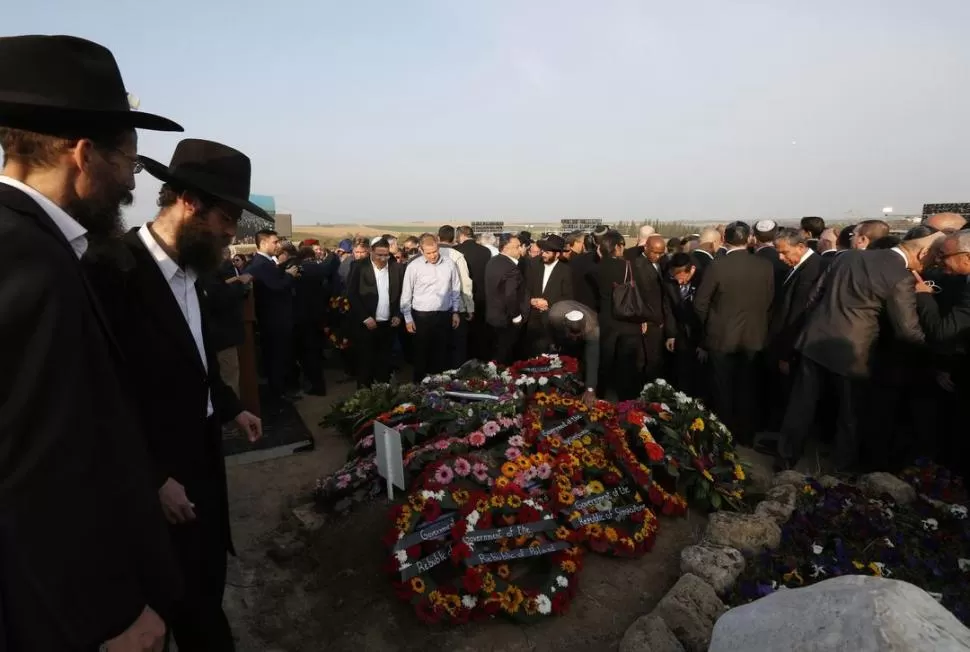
(653,351)
(198,622)
(311,353)
(621,363)
(505,341)
(374,351)
(458,344)
(430,344)
(810,382)
(733,391)
(479,334)
(277,358)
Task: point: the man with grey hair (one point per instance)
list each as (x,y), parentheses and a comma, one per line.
(487,240)
(708,242)
(646,232)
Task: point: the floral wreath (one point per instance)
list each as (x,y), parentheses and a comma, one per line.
(545,371)
(340,304)
(489,434)
(671,504)
(604,512)
(508,506)
(418,540)
(345,481)
(574,428)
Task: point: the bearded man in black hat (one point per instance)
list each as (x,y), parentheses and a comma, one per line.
(162,315)
(83,546)
(548,283)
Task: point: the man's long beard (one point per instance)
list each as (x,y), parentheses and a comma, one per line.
(199,249)
(100,214)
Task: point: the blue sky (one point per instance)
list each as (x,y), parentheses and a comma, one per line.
(394,110)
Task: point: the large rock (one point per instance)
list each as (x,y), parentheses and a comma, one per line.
(650,634)
(878,484)
(719,566)
(794,478)
(853,613)
(746,532)
(779,503)
(690,609)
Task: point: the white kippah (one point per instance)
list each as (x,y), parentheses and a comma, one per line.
(373,241)
(574,315)
(765,225)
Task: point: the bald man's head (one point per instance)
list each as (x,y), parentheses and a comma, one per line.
(710,240)
(946,222)
(826,241)
(655,248)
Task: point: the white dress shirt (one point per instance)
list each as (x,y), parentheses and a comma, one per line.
(901,255)
(383,312)
(182,284)
(430,287)
(74,233)
(547,272)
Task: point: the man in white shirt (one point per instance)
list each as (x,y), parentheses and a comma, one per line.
(430,304)
(84,550)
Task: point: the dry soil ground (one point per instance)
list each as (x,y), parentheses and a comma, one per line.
(333,595)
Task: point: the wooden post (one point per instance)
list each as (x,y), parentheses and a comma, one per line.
(248,379)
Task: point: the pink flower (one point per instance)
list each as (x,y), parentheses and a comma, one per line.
(344,478)
(476,439)
(480,471)
(531,473)
(490,429)
(517,441)
(505,422)
(442,444)
(512,453)
(462,467)
(544,471)
(444,475)
(578,491)
(517,421)
(521,480)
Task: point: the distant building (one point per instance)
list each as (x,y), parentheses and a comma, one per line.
(249,223)
(486,226)
(579,224)
(961,208)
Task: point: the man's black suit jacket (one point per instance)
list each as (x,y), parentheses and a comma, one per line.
(949,332)
(362,291)
(680,320)
(791,309)
(273,290)
(651,288)
(733,303)
(585,284)
(702,260)
(505,293)
(781,270)
(477,257)
(853,297)
(172,385)
(83,544)
(559,287)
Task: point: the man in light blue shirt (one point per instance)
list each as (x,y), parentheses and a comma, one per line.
(430,303)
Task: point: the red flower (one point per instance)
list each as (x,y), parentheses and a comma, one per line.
(472,580)
(460,552)
(431,511)
(655,452)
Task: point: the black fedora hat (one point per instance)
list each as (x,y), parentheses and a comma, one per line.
(211,168)
(51,84)
(552,242)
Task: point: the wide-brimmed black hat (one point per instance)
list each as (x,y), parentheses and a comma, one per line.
(56,84)
(210,168)
(552,242)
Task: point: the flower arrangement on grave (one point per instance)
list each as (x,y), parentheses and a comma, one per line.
(337,329)
(507,542)
(842,531)
(547,371)
(355,481)
(420,540)
(365,404)
(935,482)
(699,451)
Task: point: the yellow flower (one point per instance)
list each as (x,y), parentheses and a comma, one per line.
(509,469)
(531,607)
(513,501)
(793,575)
(738,472)
(594,530)
(566,497)
(587,440)
(808,490)
(568,566)
(482,505)
(460,497)
(638,537)
(498,500)
(488,583)
(502,482)
(858,564)
(523,463)
(697,425)
(503,571)
(876,570)
(595,487)
(707,474)
(417,585)
(611,535)
(562,532)
(512,600)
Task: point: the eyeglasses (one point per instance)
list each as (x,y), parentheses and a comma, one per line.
(136,165)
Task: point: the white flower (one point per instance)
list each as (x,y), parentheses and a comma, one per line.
(817,549)
(530,381)
(562,581)
(681,398)
(604,505)
(960,511)
(660,382)
(963,565)
(888,513)
(544,604)
(471,412)
(469,601)
(547,516)
(543,380)
(883,571)
(818,571)
(529,502)
(402,556)
(665,407)
(889,544)
(936,596)
(930,524)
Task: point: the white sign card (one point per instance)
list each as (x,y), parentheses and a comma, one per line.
(390,462)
